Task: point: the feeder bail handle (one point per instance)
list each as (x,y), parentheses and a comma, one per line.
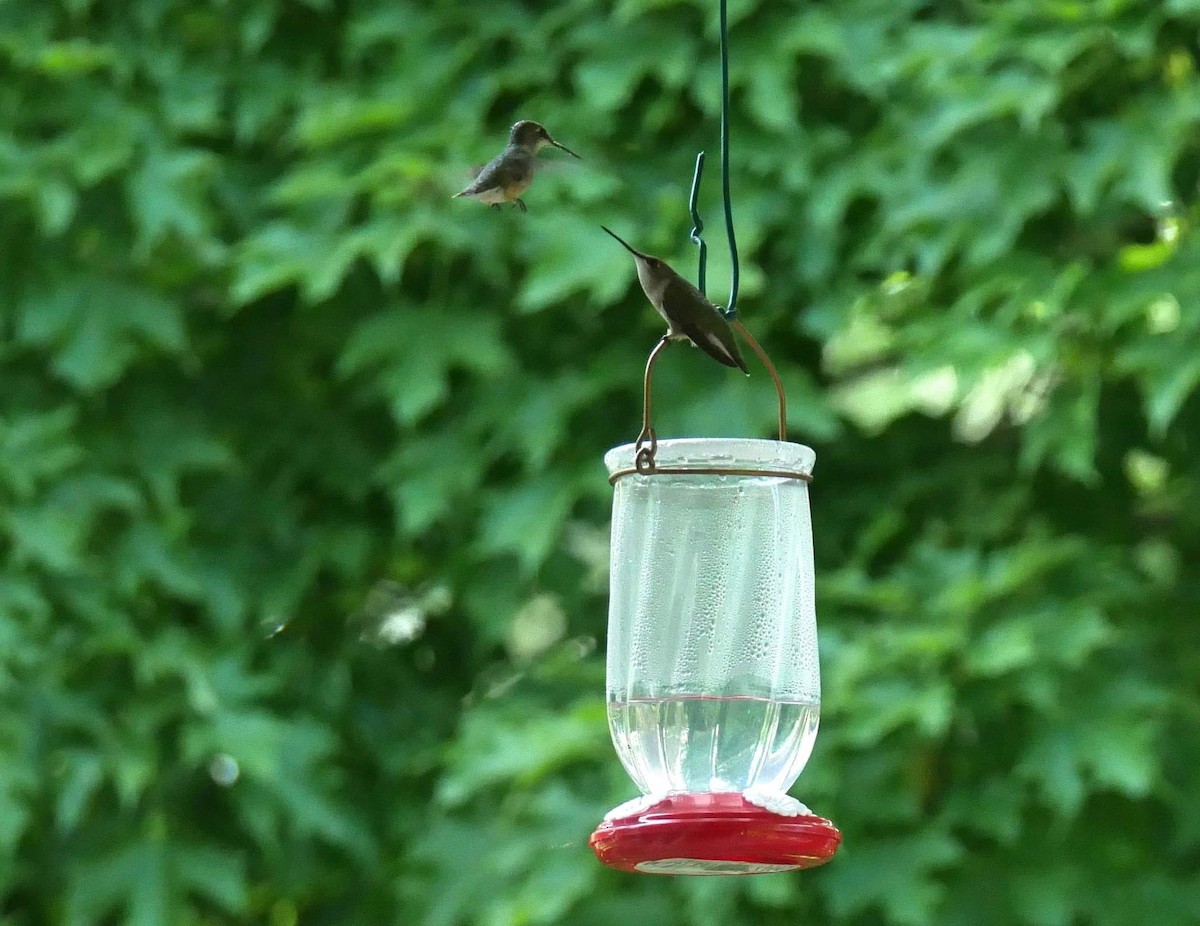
(646,445)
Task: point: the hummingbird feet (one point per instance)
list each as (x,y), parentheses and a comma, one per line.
(519,202)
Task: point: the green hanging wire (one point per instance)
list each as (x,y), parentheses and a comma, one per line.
(730,311)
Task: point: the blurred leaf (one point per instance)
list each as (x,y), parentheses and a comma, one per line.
(94,328)
(527,520)
(498,746)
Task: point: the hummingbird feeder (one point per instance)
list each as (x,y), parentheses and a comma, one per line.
(713,681)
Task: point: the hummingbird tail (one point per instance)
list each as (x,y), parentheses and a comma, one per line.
(731,359)
(721,349)
(738,359)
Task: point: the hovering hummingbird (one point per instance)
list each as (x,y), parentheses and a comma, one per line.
(505,177)
(688,313)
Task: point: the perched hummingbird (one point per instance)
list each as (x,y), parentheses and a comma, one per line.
(505,177)
(688,314)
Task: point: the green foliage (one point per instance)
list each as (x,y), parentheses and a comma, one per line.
(302,517)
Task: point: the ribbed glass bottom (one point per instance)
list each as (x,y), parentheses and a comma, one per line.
(700,743)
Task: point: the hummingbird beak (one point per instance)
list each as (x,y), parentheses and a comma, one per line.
(555,144)
(624,244)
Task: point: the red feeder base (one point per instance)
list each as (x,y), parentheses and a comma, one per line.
(719,833)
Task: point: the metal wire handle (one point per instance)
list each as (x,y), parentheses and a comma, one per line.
(646,445)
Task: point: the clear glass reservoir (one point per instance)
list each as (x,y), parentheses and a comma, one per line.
(713,679)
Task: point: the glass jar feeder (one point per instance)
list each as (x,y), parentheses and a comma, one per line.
(713,681)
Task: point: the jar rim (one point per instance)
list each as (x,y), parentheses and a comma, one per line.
(705,453)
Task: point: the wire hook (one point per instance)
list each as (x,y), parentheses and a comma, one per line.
(730,311)
(698,224)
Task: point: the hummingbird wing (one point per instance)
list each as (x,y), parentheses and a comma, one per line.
(510,171)
(713,335)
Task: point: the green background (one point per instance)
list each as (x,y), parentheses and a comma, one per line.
(303,523)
